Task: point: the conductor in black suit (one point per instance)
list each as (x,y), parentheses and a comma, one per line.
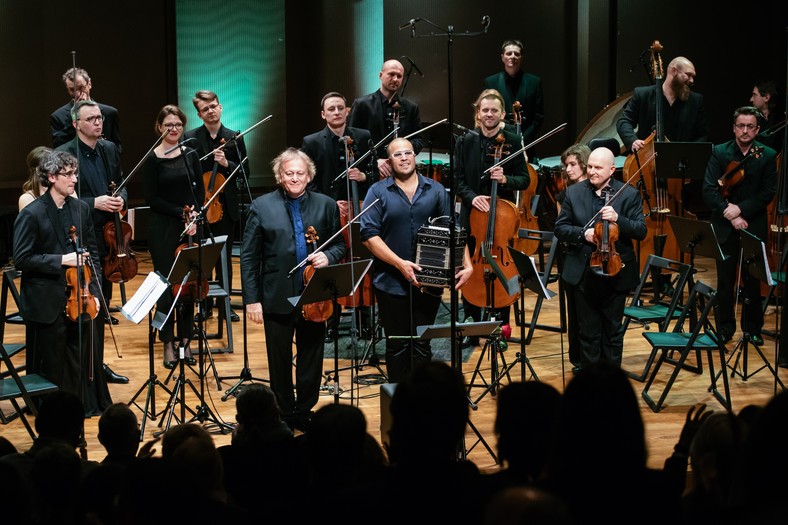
(517,85)
(211,135)
(58,348)
(378,113)
(78,85)
(600,299)
(99,162)
(275,242)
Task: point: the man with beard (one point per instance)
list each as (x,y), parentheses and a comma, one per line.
(683,118)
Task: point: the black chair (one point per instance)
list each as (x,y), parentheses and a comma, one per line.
(701,338)
(663,307)
(25,387)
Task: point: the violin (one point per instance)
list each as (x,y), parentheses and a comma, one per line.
(80,300)
(734,172)
(190,290)
(212,180)
(120,264)
(320,311)
(605,260)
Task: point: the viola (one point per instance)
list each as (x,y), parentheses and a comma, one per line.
(80,300)
(190,290)
(734,172)
(320,311)
(212,180)
(524,198)
(497,230)
(120,264)
(605,260)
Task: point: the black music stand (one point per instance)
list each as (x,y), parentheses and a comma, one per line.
(332,282)
(483,328)
(756,266)
(684,160)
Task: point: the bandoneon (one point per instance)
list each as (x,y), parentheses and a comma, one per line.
(433,254)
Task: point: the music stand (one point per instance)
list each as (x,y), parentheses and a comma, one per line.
(684,160)
(483,328)
(756,265)
(332,282)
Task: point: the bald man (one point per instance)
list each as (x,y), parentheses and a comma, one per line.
(600,296)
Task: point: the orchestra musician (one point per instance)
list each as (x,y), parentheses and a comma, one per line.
(473,155)
(99,164)
(514,84)
(78,84)
(764,99)
(210,136)
(56,347)
(743,209)
(327,151)
(600,298)
(172,180)
(274,242)
(406,201)
(32,188)
(379,111)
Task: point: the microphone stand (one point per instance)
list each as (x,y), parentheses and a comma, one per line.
(449,34)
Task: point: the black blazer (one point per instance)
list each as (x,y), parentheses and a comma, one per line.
(368,112)
(530,96)
(320,148)
(229,197)
(38,246)
(62,128)
(580,205)
(682,122)
(268,250)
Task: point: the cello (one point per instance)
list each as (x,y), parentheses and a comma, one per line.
(120,264)
(661,197)
(524,197)
(496,229)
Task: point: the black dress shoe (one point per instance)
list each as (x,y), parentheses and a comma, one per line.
(782,364)
(234,316)
(111,319)
(366,332)
(470,341)
(169,365)
(112,377)
(757,339)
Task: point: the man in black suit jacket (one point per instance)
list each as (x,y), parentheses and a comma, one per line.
(600,296)
(379,111)
(275,242)
(327,150)
(99,162)
(78,85)
(516,85)
(58,348)
(210,136)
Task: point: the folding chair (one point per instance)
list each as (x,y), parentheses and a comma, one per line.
(25,387)
(701,337)
(661,309)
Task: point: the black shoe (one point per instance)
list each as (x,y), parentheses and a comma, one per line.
(302,422)
(169,365)
(725,337)
(366,332)
(757,339)
(234,316)
(576,369)
(782,364)
(330,333)
(470,341)
(111,319)
(112,377)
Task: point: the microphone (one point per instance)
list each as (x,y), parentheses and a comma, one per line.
(413,29)
(485,23)
(412,63)
(460,127)
(178,145)
(409,24)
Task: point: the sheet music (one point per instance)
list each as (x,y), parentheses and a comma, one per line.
(145,298)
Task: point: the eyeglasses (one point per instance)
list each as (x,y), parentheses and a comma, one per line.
(209,107)
(296,174)
(400,154)
(96,119)
(746,126)
(70,173)
(177,125)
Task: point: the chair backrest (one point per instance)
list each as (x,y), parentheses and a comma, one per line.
(655,265)
(703,301)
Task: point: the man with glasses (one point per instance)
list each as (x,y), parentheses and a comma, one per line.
(211,136)
(78,85)
(740,206)
(58,348)
(99,162)
(283,229)
(406,201)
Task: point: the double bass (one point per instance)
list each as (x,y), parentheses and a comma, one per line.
(528,219)
(661,196)
(496,229)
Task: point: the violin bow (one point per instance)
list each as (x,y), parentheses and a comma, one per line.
(534,143)
(235,138)
(365,155)
(213,197)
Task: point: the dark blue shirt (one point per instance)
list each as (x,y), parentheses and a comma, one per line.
(397,221)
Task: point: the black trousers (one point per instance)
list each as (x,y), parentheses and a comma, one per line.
(752,317)
(400,315)
(600,314)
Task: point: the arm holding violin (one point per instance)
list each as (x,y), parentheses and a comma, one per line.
(111,157)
